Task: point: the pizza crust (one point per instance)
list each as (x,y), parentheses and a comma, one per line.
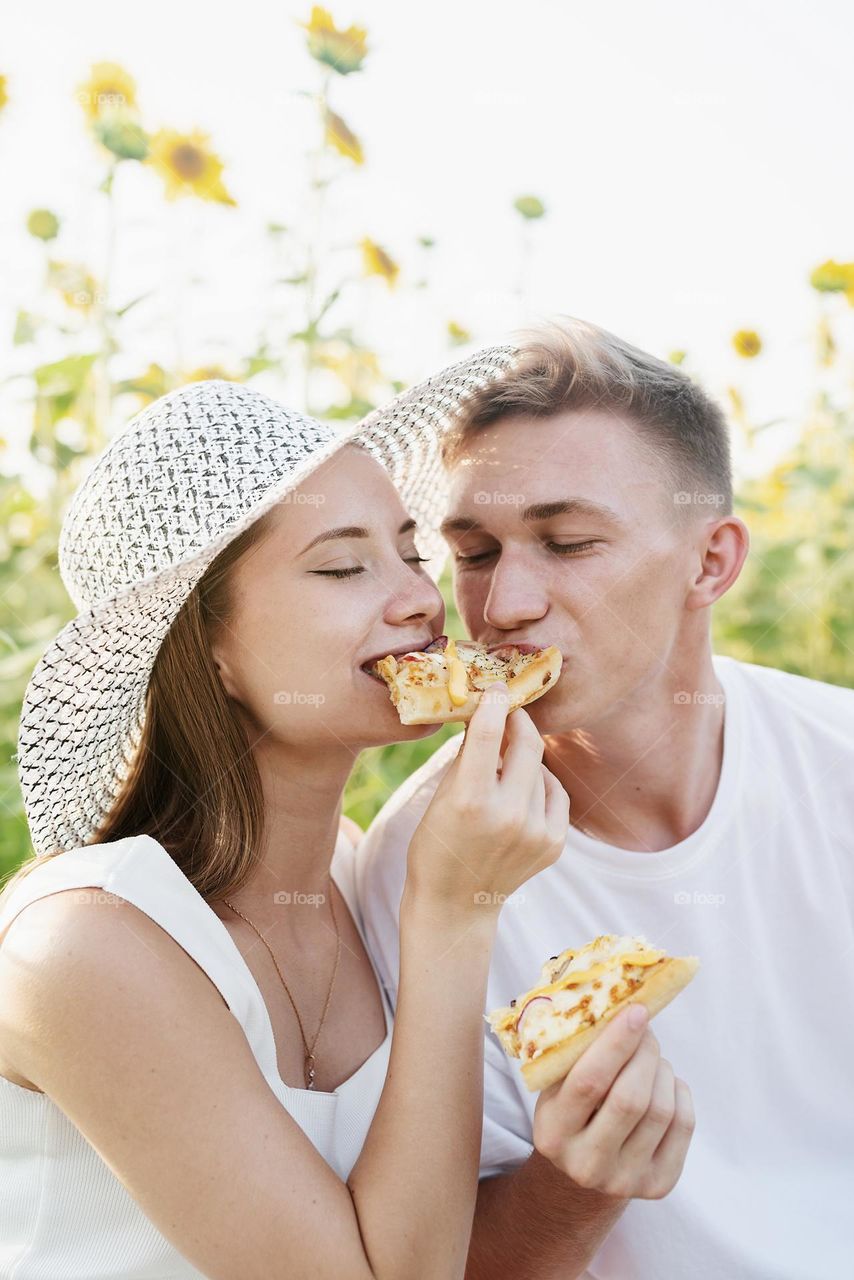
(655,992)
(431,704)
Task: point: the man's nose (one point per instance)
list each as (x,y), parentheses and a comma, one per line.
(515,595)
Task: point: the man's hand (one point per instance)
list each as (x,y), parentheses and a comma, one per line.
(620,1123)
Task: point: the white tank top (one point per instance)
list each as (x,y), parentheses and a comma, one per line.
(63,1213)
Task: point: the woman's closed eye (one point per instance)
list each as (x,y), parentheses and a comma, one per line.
(360,568)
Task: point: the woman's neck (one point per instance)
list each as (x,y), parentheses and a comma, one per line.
(303,793)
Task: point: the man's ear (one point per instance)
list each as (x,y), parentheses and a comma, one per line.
(722,545)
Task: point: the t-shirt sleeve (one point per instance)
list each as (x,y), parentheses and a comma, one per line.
(380,874)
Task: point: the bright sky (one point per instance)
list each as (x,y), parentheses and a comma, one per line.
(695,162)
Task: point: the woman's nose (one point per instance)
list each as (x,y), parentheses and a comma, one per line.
(417,597)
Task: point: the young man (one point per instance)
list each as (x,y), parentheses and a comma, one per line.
(712,804)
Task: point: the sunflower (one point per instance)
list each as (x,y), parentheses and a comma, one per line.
(340,136)
(187,165)
(747,343)
(109,89)
(4,93)
(344,50)
(376,262)
(834,277)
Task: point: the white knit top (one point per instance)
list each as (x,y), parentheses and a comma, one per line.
(63,1214)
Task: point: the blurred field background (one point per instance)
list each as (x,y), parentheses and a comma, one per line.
(144,265)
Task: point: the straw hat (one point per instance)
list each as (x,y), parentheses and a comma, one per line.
(179,482)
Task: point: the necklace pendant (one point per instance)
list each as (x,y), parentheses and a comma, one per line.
(309,1070)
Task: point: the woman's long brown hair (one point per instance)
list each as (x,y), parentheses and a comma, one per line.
(194,784)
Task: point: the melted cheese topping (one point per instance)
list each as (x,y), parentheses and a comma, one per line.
(458,685)
(577,988)
(462,667)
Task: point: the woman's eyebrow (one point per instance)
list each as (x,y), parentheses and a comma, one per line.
(351,531)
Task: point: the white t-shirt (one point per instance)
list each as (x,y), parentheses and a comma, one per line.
(763,893)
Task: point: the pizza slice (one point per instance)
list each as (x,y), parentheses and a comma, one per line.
(550,1026)
(445,681)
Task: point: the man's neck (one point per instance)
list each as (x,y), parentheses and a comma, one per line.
(644,776)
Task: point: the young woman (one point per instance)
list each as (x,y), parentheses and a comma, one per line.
(198,1070)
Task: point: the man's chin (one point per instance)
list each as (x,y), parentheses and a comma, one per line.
(552,714)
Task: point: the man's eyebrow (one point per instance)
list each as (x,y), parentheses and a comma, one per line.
(541,511)
(351,531)
(571,507)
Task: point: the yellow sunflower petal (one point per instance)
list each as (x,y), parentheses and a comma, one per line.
(109,89)
(833,277)
(340,136)
(747,343)
(342,49)
(457,334)
(187,165)
(376,262)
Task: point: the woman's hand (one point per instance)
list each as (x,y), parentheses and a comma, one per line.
(492,823)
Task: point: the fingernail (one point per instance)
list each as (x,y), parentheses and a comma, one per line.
(637,1016)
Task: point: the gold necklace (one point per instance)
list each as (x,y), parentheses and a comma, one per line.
(308,1058)
(578,826)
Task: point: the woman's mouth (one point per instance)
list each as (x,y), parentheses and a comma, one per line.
(418,647)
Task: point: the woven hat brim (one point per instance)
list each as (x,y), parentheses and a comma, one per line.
(83,711)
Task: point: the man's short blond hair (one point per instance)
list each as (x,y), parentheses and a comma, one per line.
(571,365)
